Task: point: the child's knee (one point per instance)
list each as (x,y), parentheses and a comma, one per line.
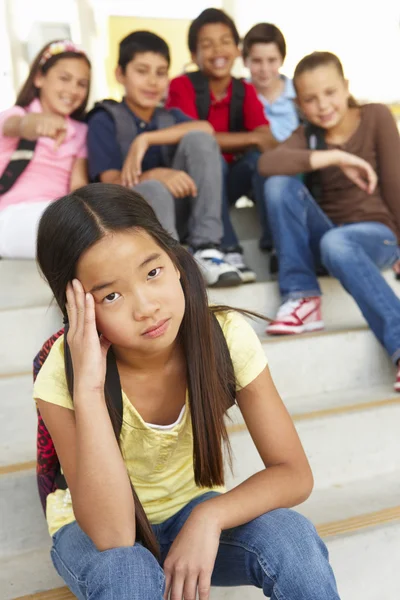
(199,141)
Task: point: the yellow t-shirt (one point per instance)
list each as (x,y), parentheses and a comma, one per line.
(159,461)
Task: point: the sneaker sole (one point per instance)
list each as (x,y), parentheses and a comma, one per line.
(247,277)
(282,329)
(227,280)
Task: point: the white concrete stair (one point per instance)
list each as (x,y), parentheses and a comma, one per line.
(337,385)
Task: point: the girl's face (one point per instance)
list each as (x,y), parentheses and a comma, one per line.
(139,301)
(323,96)
(264,62)
(65,86)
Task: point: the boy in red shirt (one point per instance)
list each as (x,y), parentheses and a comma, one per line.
(212,91)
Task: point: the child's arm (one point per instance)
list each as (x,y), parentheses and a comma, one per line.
(286,480)
(84,438)
(261,138)
(387,155)
(35,125)
(79,174)
(132,168)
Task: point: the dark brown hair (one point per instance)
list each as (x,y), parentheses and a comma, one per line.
(264,33)
(140,42)
(207,17)
(321,59)
(73,224)
(29,91)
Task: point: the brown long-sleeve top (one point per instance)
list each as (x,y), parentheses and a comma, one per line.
(377,141)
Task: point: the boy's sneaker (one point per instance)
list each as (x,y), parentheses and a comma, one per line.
(297,316)
(235,258)
(397,384)
(216,272)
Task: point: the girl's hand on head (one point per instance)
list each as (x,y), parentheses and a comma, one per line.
(132,168)
(88,350)
(358,170)
(191,559)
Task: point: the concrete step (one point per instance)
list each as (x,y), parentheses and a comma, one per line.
(343,444)
(338,308)
(21,285)
(23,331)
(18,420)
(360,523)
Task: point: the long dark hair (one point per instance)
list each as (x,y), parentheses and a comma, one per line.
(321,59)
(29,91)
(73,224)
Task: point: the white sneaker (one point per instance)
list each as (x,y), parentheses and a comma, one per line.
(216,272)
(236,260)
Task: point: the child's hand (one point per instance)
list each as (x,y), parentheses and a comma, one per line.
(358,170)
(190,561)
(396,267)
(88,351)
(132,168)
(34,126)
(179,183)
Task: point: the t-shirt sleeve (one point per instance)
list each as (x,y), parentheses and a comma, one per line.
(253,110)
(247,354)
(103,150)
(181,95)
(14,111)
(290,158)
(51,383)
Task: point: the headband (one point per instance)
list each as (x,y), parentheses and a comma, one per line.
(59,48)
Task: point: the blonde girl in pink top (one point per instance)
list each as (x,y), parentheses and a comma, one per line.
(49,110)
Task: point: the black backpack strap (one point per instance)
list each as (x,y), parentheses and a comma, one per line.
(164,118)
(125,125)
(202,92)
(236,120)
(315,137)
(19,160)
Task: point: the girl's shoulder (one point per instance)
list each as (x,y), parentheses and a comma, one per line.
(246,351)
(375,110)
(51,382)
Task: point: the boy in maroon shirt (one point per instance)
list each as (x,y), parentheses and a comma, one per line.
(213,42)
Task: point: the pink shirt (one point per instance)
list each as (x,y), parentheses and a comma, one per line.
(47,177)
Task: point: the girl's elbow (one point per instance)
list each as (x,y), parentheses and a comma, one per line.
(306,484)
(262,165)
(108,538)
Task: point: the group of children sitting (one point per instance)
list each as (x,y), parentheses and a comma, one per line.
(321,169)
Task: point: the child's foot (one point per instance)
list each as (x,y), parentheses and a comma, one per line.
(397,383)
(235,258)
(216,271)
(297,316)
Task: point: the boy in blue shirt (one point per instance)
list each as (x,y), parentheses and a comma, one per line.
(171,160)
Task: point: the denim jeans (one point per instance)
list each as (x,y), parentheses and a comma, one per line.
(239,178)
(355,253)
(279,552)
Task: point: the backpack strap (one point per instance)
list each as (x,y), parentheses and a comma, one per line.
(236,120)
(125,125)
(19,160)
(203,99)
(202,93)
(315,137)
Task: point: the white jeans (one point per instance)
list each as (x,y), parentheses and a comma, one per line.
(18,229)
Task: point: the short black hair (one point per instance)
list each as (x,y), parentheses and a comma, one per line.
(139,42)
(264,33)
(208,16)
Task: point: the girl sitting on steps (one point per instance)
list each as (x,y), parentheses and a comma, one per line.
(42,144)
(348,217)
(134,299)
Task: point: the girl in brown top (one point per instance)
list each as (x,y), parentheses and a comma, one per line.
(350,223)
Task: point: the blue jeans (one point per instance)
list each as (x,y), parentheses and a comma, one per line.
(279,552)
(304,236)
(239,178)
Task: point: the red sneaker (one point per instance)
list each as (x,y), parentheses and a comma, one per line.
(397,384)
(298,316)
